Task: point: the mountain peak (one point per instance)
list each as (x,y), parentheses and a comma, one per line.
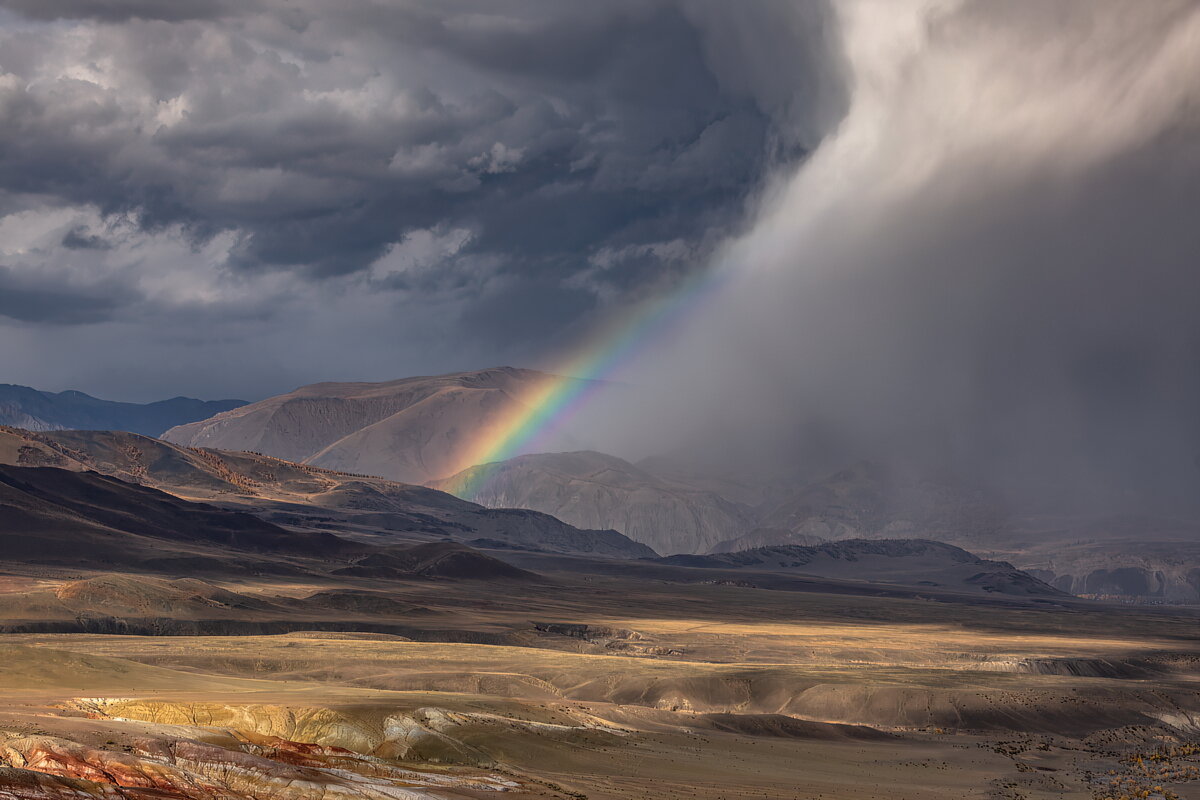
(413,430)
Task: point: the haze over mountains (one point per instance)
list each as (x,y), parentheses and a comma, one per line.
(915,562)
(1147,557)
(62,469)
(23,407)
(416,430)
(688,514)
(113,500)
(669,516)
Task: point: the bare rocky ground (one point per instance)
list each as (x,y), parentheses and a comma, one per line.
(591,681)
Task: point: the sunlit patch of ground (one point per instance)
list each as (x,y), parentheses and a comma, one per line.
(594,685)
(565,724)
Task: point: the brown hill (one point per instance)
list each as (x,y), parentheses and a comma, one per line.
(765,537)
(436,560)
(912,562)
(412,430)
(56,516)
(301,495)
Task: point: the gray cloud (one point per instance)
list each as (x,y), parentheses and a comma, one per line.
(79,239)
(28,300)
(959,233)
(300,146)
(118,10)
(324,135)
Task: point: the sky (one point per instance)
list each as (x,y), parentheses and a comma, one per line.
(957,231)
(237,198)
(989,267)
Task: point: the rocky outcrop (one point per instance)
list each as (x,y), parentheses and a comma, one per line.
(1167,581)
(257,768)
(1130,559)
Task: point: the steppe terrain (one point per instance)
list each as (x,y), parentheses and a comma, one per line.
(583,678)
(190,623)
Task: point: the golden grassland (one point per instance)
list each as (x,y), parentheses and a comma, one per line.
(610,688)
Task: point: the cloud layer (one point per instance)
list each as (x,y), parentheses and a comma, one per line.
(423,185)
(956,232)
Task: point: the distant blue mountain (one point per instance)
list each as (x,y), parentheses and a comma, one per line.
(23,407)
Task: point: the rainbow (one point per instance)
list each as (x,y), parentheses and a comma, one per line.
(545,407)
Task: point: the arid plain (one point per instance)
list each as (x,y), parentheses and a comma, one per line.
(305,633)
(586,684)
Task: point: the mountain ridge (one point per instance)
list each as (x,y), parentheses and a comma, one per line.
(411,430)
(916,562)
(33,409)
(302,495)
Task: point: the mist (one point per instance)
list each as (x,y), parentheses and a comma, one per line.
(990,266)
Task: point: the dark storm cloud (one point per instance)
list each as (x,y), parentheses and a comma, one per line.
(31,300)
(324,133)
(79,239)
(489,178)
(118,10)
